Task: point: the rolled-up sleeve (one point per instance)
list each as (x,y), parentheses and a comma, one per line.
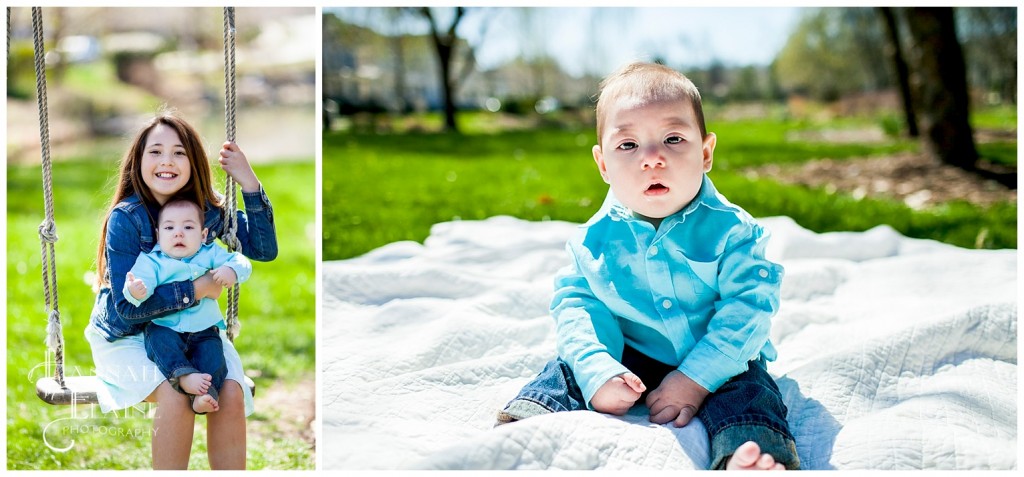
(749,287)
(236,261)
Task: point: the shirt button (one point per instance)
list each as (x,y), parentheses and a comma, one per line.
(763,273)
(184,300)
(652,251)
(667,304)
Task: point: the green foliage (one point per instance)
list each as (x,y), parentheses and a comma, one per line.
(96,92)
(21,76)
(832,52)
(892,125)
(999,152)
(1002,117)
(277,310)
(756,142)
(381,188)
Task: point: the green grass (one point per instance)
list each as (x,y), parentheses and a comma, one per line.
(277,310)
(998,117)
(380,188)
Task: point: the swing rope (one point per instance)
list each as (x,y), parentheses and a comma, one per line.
(82,389)
(231,199)
(48,229)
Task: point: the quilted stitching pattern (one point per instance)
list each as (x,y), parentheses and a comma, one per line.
(894,353)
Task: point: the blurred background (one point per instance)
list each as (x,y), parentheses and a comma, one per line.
(108,70)
(842,118)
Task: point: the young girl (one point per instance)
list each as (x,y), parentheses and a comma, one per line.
(166,159)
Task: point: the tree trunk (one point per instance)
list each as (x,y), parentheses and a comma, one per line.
(895,52)
(445,45)
(401,103)
(939,81)
(59,24)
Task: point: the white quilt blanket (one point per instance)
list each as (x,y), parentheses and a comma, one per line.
(894,353)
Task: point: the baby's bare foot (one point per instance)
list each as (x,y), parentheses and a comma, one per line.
(748,456)
(205,403)
(195,383)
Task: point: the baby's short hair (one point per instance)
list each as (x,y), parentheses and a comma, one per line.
(180,203)
(647,83)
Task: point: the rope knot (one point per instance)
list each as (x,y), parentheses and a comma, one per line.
(233,328)
(232,242)
(54,340)
(48,231)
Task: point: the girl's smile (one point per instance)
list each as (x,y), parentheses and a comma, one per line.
(165,166)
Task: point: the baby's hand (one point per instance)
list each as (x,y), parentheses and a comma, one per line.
(224,276)
(677,399)
(618,394)
(136,287)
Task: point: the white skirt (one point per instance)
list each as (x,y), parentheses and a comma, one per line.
(128,376)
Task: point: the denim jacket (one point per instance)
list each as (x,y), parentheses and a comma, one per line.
(697,293)
(131,231)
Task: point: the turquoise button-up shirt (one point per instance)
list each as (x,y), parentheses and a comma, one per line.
(157,268)
(697,293)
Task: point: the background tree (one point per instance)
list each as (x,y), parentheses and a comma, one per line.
(939,86)
(833,52)
(447,45)
(533,48)
(56,34)
(989,40)
(895,53)
(397,15)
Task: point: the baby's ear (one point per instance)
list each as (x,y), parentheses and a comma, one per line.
(599,159)
(708,151)
(205,232)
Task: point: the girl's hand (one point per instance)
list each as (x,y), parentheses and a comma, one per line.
(234,163)
(206,287)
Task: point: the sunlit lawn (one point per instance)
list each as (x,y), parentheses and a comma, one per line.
(380,188)
(277,310)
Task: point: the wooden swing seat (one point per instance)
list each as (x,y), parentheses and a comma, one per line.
(82,390)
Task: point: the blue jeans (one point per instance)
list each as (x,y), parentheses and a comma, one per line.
(178,354)
(748,407)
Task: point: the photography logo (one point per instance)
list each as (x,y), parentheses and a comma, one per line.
(78,420)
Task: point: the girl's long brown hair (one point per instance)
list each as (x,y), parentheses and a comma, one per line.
(129,181)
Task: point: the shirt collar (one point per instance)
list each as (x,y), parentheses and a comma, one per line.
(707,195)
(157,249)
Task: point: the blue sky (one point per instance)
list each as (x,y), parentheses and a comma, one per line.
(601,39)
